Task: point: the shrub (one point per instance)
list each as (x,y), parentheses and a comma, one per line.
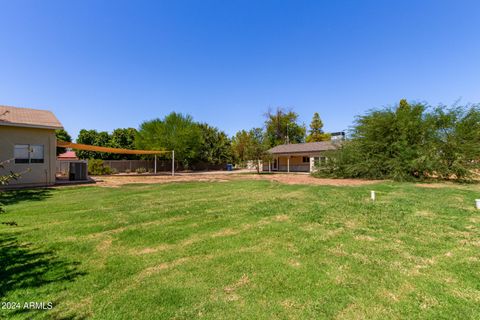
(96,167)
(140,170)
(128,170)
(409,142)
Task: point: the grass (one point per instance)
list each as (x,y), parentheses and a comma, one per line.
(243,250)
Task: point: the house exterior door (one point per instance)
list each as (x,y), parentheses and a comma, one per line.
(275,164)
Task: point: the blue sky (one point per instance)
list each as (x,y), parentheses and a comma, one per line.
(108,64)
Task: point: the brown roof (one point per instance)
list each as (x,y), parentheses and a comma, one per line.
(68,155)
(24,117)
(303,147)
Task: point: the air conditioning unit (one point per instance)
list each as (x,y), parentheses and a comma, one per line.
(78,171)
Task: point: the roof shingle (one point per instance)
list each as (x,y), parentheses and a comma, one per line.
(24,117)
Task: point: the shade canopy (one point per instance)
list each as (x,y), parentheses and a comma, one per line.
(86,147)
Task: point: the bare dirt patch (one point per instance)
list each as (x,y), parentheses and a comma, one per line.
(290,178)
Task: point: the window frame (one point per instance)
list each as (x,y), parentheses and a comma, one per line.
(303,159)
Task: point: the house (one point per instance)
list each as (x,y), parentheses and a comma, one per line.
(28,144)
(297,157)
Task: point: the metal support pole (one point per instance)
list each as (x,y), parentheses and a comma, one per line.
(155,165)
(173,163)
(288,164)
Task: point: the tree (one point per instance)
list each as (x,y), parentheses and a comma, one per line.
(239,146)
(282,127)
(5,179)
(175,132)
(215,147)
(256,146)
(62,135)
(93,138)
(123,138)
(316,130)
(457,140)
(410,141)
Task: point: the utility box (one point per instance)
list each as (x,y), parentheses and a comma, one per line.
(78,171)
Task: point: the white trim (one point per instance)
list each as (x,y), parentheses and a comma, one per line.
(25,125)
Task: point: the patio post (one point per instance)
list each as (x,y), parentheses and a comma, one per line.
(155,165)
(288,163)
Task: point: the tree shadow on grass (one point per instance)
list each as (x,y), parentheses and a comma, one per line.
(16,196)
(26,268)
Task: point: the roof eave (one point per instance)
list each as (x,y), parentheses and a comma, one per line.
(299,152)
(25,125)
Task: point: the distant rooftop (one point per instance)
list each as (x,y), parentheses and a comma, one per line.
(69,154)
(31,118)
(303,147)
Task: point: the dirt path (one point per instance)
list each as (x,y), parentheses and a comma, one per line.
(117,180)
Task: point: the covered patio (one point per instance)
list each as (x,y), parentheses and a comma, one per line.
(299,157)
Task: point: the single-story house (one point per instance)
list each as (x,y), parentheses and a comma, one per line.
(297,157)
(28,144)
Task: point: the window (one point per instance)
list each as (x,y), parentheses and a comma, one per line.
(36,153)
(319,160)
(28,153)
(306,159)
(21,153)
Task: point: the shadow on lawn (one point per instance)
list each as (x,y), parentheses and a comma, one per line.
(24,267)
(15,196)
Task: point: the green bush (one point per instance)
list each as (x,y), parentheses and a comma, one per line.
(140,170)
(96,167)
(409,142)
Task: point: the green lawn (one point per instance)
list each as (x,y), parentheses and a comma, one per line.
(243,249)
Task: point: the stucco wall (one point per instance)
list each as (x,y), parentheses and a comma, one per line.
(32,173)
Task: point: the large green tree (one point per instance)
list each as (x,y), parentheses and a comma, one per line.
(93,138)
(282,127)
(174,132)
(410,141)
(123,138)
(239,147)
(256,147)
(215,145)
(316,130)
(456,143)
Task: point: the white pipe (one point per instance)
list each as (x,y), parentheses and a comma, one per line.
(372,195)
(173,163)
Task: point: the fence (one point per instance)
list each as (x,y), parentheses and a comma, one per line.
(162,165)
(133,165)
